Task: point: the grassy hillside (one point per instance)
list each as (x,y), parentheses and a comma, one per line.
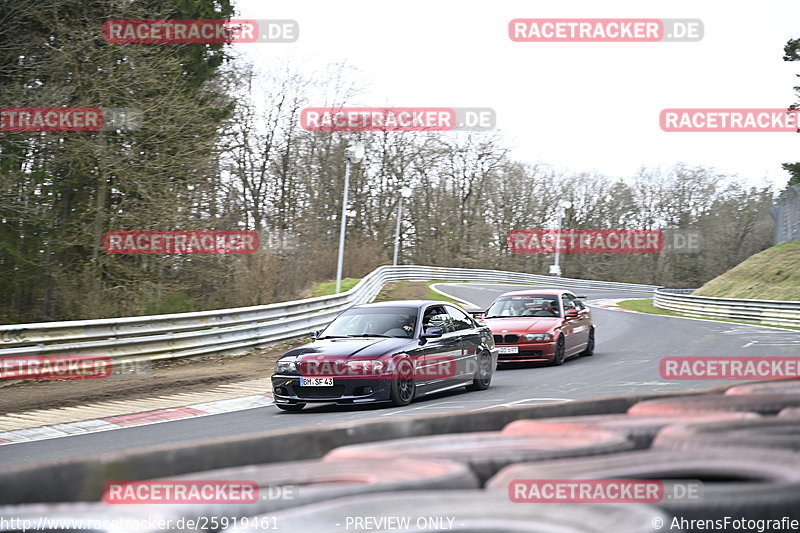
(773,274)
(324,289)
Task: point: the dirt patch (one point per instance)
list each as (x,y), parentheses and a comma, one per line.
(143,381)
(410,290)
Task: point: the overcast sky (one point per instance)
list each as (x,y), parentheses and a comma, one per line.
(577,106)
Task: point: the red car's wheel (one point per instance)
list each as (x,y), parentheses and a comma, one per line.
(560,354)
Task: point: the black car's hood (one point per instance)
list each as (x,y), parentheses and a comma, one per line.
(352,348)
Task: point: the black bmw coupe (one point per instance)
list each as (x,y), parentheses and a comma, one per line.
(387,352)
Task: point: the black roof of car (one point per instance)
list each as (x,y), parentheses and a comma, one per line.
(401,303)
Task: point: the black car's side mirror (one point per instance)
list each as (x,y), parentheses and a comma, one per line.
(476,313)
(431,333)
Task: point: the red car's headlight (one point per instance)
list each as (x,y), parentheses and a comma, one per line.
(539,337)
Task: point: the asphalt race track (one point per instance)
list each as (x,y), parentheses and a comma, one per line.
(629,347)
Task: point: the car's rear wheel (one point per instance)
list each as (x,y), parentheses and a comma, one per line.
(560,354)
(291,407)
(483,374)
(589,351)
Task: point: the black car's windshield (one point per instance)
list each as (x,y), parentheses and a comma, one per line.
(373,322)
(541,305)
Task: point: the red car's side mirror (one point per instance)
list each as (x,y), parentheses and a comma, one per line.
(571,313)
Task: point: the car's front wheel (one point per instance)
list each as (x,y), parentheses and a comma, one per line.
(291,407)
(402,391)
(560,354)
(483,374)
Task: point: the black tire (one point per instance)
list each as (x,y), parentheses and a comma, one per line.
(403,387)
(483,374)
(589,350)
(295,483)
(793,412)
(770,387)
(756,483)
(472,510)
(488,451)
(780,433)
(291,407)
(561,351)
(641,430)
(765,404)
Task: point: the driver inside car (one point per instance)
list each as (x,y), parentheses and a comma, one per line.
(516,308)
(401,326)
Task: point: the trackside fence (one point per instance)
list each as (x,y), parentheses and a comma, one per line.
(236,331)
(769,312)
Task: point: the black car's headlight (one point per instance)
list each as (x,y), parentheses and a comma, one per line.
(285,366)
(539,337)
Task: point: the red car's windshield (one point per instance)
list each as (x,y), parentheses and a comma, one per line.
(541,305)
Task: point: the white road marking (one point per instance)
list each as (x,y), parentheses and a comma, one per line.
(465,302)
(525,400)
(419,407)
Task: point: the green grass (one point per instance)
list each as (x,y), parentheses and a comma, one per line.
(412,290)
(773,274)
(646,306)
(329,287)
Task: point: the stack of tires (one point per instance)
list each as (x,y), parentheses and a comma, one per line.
(741,447)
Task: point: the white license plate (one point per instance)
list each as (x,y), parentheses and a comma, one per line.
(508,349)
(316,382)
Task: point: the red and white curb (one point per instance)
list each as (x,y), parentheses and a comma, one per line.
(135,419)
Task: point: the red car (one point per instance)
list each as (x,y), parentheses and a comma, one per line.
(546,325)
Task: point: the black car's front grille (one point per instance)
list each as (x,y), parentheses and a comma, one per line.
(320,392)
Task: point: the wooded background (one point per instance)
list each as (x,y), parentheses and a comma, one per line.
(220,147)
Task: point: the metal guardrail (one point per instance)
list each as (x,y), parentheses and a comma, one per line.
(231,331)
(769,312)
